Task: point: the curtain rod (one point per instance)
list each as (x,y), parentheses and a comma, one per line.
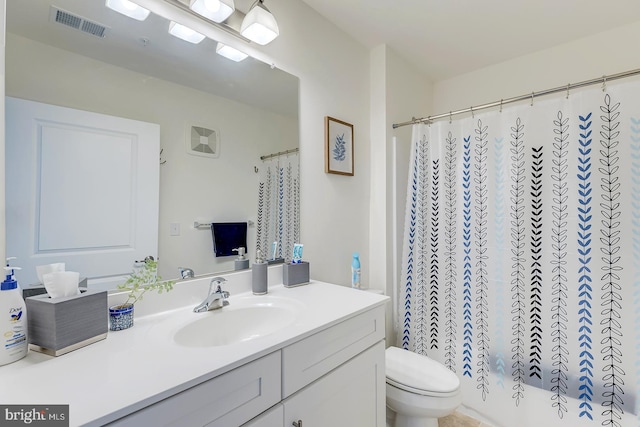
(279,153)
(530,96)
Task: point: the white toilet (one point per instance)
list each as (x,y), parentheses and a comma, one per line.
(419,389)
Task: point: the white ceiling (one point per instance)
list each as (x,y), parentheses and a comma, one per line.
(446,38)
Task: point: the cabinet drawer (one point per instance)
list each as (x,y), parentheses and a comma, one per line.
(307,360)
(230,399)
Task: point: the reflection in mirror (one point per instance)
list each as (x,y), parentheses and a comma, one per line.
(138,71)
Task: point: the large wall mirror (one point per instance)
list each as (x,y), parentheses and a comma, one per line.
(138,71)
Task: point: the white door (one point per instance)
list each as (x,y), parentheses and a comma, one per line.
(81,188)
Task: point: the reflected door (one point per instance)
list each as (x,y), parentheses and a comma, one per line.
(81,188)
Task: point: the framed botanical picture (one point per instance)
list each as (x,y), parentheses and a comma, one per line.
(338,147)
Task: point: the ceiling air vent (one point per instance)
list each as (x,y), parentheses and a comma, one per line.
(78,22)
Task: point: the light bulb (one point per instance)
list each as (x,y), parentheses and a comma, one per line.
(129,5)
(212,5)
(185,33)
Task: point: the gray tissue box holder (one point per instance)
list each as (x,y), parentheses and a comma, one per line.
(58,326)
(295,274)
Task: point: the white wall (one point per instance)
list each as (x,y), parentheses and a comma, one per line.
(191,187)
(606,53)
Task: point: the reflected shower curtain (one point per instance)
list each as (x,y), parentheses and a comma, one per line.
(521,257)
(279,206)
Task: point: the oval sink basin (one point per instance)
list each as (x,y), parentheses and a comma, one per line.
(246,318)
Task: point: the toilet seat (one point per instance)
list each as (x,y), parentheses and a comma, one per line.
(419,374)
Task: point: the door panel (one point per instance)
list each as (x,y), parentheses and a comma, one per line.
(81,188)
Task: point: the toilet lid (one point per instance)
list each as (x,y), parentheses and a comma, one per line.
(415,372)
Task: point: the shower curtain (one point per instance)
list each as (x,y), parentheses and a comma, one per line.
(278,206)
(521,257)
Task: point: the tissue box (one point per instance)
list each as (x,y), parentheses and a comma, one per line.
(295,274)
(58,326)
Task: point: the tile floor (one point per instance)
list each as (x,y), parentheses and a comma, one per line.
(460,420)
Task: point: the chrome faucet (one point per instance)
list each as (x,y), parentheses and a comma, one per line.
(186,273)
(214,300)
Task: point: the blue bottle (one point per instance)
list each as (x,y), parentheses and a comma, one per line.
(355,271)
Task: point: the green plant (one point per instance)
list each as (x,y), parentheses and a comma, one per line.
(143,279)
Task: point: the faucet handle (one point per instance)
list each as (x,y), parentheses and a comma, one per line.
(219,281)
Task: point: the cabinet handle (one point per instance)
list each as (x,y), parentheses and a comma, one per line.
(297,423)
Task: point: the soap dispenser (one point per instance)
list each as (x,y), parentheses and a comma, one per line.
(13,319)
(259,275)
(242,262)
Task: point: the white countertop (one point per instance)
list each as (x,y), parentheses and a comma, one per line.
(134,368)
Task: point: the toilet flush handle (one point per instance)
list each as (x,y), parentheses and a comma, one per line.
(297,423)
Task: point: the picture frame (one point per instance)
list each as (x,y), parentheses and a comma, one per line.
(339,152)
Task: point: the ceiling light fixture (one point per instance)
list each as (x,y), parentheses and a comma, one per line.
(215,10)
(230,52)
(128,8)
(185,33)
(259,25)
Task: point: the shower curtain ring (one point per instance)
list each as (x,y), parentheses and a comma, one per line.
(501,105)
(604,83)
(472,115)
(568,86)
(532,93)
(450,114)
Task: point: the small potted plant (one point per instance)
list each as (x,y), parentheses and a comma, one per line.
(142,279)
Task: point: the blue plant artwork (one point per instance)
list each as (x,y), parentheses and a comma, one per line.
(339,149)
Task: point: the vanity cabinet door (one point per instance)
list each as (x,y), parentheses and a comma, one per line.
(352,395)
(230,399)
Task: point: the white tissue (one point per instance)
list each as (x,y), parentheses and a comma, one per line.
(62,283)
(41,270)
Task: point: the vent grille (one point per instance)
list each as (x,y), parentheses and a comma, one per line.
(78,22)
(203,142)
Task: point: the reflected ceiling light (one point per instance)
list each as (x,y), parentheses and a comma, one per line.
(259,25)
(185,33)
(128,8)
(215,10)
(230,52)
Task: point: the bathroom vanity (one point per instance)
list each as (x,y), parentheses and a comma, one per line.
(311,355)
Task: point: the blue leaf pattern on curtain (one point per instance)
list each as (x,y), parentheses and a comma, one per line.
(499,257)
(585,288)
(467,351)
